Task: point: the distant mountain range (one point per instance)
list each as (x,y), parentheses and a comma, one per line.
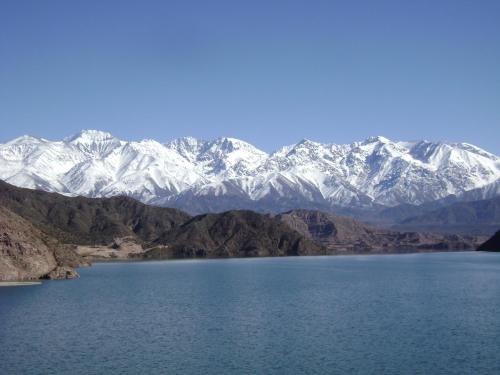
(224,174)
(475,217)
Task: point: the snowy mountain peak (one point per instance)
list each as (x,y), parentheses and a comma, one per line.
(228,145)
(187,147)
(227,172)
(307,143)
(20,148)
(376,139)
(95,143)
(25,139)
(185,142)
(89,135)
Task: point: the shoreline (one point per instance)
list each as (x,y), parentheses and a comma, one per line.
(139,260)
(19,283)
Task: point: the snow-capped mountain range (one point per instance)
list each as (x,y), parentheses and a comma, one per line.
(229,173)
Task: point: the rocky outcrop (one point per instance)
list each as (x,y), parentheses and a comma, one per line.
(61,272)
(26,253)
(345,235)
(492,244)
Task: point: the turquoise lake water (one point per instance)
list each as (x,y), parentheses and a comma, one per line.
(386,314)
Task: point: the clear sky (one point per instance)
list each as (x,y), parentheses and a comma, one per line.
(269,72)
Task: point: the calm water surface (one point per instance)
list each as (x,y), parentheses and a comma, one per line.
(389,314)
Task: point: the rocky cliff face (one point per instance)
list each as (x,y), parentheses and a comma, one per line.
(26,253)
(343,234)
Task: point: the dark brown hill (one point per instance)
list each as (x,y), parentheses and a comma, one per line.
(492,244)
(233,234)
(80,220)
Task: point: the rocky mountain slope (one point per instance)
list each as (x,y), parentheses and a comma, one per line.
(27,253)
(122,228)
(345,235)
(86,221)
(233,234)
(492,244)
(205,176)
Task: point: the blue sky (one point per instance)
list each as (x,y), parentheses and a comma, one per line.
(269,72)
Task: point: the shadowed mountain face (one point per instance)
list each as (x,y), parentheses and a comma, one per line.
(233,234)
(89,221)
(493,244)
(343,234)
